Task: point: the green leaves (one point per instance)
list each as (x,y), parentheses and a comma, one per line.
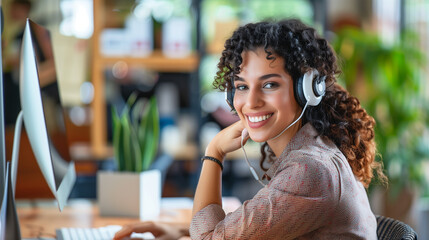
(387,80)
(136,134)
(149,133)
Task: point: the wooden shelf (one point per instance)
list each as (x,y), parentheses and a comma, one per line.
(156,62)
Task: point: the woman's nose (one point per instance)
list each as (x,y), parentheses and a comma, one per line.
(254,98)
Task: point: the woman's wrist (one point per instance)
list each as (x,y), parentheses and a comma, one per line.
(214,153)
(217,161)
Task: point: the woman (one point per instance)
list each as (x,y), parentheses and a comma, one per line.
(319,150)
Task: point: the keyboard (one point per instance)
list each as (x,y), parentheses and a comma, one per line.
(101,233)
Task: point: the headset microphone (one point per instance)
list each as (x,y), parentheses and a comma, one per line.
(244,134)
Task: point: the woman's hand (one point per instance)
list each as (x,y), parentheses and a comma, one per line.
(161,231)
(227,140)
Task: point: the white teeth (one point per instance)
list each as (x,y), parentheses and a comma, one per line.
(260,118)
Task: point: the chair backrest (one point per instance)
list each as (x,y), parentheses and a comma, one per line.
(392,229)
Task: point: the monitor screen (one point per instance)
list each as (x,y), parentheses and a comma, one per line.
(43,114)
(51,100)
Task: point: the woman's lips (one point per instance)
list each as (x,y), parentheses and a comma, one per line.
(258,120)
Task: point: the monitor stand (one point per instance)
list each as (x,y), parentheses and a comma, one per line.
(68,178)
(9,224)
(9,227)
(15,151)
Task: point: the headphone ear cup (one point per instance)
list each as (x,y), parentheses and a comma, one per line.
(299,93)
(311,82)
(319,86)
(229,97)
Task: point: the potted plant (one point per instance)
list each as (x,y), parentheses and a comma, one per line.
(133,190)
(387,79)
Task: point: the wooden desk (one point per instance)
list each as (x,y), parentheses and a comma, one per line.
(40,218)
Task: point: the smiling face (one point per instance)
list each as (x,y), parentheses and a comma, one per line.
(264,97)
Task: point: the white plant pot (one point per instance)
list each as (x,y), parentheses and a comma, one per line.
(129,194)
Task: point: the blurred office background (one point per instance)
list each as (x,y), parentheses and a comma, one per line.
(107,49)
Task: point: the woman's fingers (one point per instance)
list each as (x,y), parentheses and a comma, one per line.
(226,141)
(142,227)
(126,231)
(159,230)
(235,132)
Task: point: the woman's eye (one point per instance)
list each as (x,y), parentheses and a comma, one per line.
(270,85)
(241,87)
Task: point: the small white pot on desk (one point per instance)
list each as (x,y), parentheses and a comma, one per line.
(129,194)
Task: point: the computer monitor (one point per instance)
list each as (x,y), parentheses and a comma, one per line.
(43,115)
(42,110)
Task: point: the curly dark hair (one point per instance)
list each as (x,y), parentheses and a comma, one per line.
(338,117)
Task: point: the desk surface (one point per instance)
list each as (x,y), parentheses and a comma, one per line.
(40,218)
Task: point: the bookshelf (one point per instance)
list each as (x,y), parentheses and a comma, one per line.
(155,62)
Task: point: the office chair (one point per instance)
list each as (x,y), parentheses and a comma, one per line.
(392,229)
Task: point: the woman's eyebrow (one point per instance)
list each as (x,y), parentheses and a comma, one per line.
(267,76)
(263,77)
(237,78)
